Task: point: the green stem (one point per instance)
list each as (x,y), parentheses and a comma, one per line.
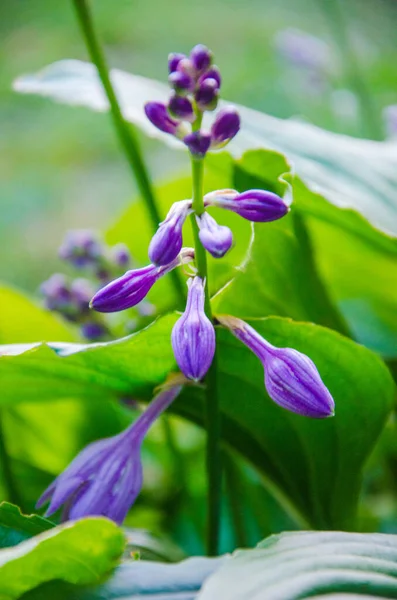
(7,474)
(213,451)
(124,130)
(233,486)
(369,112)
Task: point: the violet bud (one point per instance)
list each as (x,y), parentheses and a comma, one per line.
(207,95)
(181,82)
(255,205)
(121,255)
(56,293)
(291,378)
(181,108)
(81,291)
(201,57)
(173,60)
(193,335)
(216,239)
(198,143)
(93,331)
(132,287)
(212,73)
(225,127)
(157,114)
(81,248)
(166,243)
(106,477)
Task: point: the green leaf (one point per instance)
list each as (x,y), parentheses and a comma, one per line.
(80,552)
(16,527)
(307,565)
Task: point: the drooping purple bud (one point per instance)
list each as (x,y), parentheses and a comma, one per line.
(157,114)
(207,95)
(198,142)
(82,248)
(121,255)
(181,108)
(225,127)
(216,239)
(93,331)
(291,378)
(106,477)
(181,82)
(173,60)
(129,289)
(193,335)
(254,205)
(166,243)
(201,57)
(212,73)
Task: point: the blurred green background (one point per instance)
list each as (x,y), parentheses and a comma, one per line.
(62,168)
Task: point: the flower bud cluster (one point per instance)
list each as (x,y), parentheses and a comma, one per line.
(195,82)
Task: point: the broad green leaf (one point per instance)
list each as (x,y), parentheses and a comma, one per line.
(16,527)
(314,466)
(80,552)
(307,565)
(360,174)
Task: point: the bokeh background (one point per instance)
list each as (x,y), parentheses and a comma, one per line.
(62,168)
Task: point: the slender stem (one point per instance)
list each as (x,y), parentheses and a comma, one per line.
(369,113)
(213,451)
(124,130)
(233,484)
(7,474)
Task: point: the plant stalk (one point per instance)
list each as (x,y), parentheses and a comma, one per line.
(7,474)
(126,133)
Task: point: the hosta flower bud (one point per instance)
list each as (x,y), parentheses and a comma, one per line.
(255,205)
(81,248)
(121,255)
(291,378)
(225,127)
(193,335)
(181,108)
(157,114)
(106,477)
(207,95)
(201,57)
(181,82)
(93,331)
(216,239)
(198,142)
(167,241)
(173,60)
(212,73)
(129,289)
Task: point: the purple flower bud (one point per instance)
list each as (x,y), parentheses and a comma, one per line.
(212,73)
(216,239)
(201,57)
(81,248)
(225,127)
(106,477)
(181,82)
(255,205)
(291,378)
(121,255)
(56,292)
(129,289)
(167,241)
(81,292)
(193,335)
(93,331)
(181,108)
(173,61)
(198,142)
(157,114)
(207,95)
(186,66)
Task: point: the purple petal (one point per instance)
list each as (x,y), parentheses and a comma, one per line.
(216,239)
(166,243)
(201,57)
(198,142)
(126,291)
(158,115)
(173,60)
(225,127)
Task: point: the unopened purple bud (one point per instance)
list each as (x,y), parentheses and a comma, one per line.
(193,335)
(81,292)
(216,239)
(167,241)
(291,378)
(157,114)
(81,248)
(255,205)
(106,477)
(121,255)
(129,289)
(198,142)
(93,331)
(225,127)
(212,73)
(181,108)
(173,60)
(201,57)
(56,292)
(207,95)
(181,82)
(186,66)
